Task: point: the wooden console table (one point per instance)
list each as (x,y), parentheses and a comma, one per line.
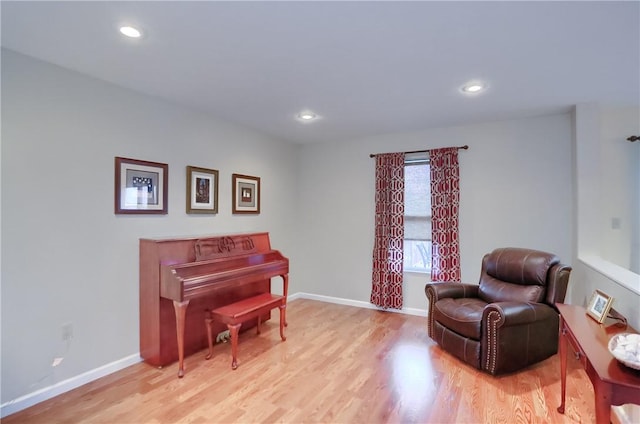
(613,382)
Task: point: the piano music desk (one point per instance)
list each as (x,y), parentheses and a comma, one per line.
(236,313)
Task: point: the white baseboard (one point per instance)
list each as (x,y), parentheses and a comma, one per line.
(45,393)
(356,303)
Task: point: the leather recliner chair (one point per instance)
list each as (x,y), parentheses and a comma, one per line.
(509,320)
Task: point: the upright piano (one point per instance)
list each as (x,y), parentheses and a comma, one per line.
(182,278)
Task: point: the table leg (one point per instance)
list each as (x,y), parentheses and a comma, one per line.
(180,309)
(603,394)
(562,351)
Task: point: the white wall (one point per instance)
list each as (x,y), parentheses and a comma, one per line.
(599,197)
(607,180)
(67,258)
(515,191)
(621,186)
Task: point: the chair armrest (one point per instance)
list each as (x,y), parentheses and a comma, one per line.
(558,280)
(507,314)
(437,291)
(517,334)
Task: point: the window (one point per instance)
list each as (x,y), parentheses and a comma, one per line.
(417,215)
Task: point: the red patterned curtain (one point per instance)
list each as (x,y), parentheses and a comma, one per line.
(389,232)
(445,202)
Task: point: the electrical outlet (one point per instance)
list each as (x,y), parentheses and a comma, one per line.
(67,332)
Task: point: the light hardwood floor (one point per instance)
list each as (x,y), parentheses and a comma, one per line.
(340,364)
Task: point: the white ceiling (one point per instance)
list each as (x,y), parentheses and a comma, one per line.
(366,68)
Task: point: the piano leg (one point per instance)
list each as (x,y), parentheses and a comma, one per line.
(181,312)
(285,293)
(233,331)
(209,322)
(283,309)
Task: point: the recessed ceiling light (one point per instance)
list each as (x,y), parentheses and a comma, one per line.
(473,87)
(306,116)
(130,31)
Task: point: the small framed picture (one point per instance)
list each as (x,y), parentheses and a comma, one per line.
(246,194)
(599,306)
(141,187)
(202,190)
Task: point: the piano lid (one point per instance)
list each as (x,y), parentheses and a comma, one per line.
(222,262)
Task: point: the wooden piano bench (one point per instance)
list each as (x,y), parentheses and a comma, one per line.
(243,310)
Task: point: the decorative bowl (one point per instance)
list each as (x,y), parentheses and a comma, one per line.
(625,347)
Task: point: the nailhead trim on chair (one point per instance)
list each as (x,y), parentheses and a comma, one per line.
(431,303)
(492,334)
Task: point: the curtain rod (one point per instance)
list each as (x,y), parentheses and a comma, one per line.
(373,155)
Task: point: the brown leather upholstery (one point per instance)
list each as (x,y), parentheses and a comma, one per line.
(506,322)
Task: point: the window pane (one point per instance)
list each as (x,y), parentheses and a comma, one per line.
(417,227)
(417,255)
(417,219)
(417,198)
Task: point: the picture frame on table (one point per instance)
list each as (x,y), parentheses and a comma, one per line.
(599,306)
(202,190)
(246,194)
(141,187)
